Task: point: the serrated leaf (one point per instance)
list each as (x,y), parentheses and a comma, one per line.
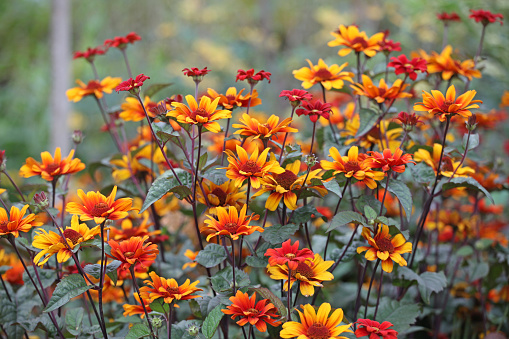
(333,186)
(138,331)
(399,314)
(167,182)
(111,270)
(402,192)
(70,287)
(370,213)
(211,255)
(265,293)
(303,214)
(217,176)
(47,277)
(468,182)
(276,234)
(473,142)
(345,217)
(371,201)
(164,132)
(160,306)
(73,320)
(255,261)
(422,173)
(368,118)
(222,281)
(207,304)
(431,282)
(25,244)
(211,323)
(154,88)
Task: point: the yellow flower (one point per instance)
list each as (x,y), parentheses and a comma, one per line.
(230,223)
(251,127)
(329,77)
(382,93)
(133,111)
(224,195)
(448,164)
(51,167)
(15,223)
(353,40)
(94,87)
(168,289)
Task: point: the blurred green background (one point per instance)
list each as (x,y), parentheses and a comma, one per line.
(273,35)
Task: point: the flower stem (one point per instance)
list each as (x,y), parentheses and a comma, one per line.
(135,284)
(335,212)
(359,287)
(479,49)
(289,295)
(224,141)
(233,266)
(250,97)
(127,63)
(284,140)
(17,188)
(313,139)
(101,275)
(370,285)
(379,294)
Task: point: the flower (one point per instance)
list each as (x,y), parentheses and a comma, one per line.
(255,313)
(16,222)
(385,248)
(97,207)
(353,165)
(52,243)
(316,325)
(121,42)
(375,330)
(130,310)
(314,110)
(353,40)
(448,165)
(388,46)
(192,256)
(203,115)
(132,85)
(168,289)
(231,223)
(128,230)
(51,167)
(284,185)
(13,275)
(133,250)
(390,162)
(133,111)
(408,119)
(486,17)
(295,96)
(329,77)
(251,127)
(232,99)
(312,272)
(224,195)
(94,87)
(449,67)
(196,73)
(252,78)
(382,93)
(288,254)
(436,104)
(446,17)
(409,67)
(253,168)
(90,53)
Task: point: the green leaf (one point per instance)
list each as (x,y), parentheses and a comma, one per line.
(211,255)
(73,320)
(473,142)
(276,234)
(345,217)
(180,330)
(465,251)
(431,282)
(333,186)
(154,88)
(422,173)
(222,281)
(167,182)
(25,244)
(255,261)
(265,293)
(478,270)
(111,270)
(368,118)
(211,323)
(399,314)
(370,201)
(158,305)
(138,331)
(165,132)
(70,287)
(370,213)
(402,192)
(468,182)
(217,176)
(47,277)
(303,214)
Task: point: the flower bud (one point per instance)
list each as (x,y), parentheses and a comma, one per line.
(77,137)
(2,160)
(471,123)
(41,200)
(193,330)
(157,322)
(311,160)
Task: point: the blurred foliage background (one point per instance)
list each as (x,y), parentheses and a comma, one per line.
(273,35)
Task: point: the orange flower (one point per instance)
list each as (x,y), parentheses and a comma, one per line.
(353,40)
(51,167)
(130,310)
(382,93)
(385,248)
(329,77)
(94,87)
(192,256)
(252,168)
(224,195)
(354,165)
(232,100)
(251,127)
(15,223)
(255,313)
(436,104)
(288,254)
(448,164)
(97,207)
(390,162)
(203,115)
(133,111)
(133,250)
(449,67)
(128,230)
(231,223)
(14,275)
(168,289)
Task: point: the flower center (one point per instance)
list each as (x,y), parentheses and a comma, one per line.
(286,179)
(447,165)
(52,167)
(250,167)
(252,312)
(72,235)
(445,106)
(93,84)
(323,74)
(359,43)
(231,227)
(200,112)
(172,290)
(128,254)
(99,209)
(221,195)
(304,270)
(385,244)
(290,256)
(3,225)
(318,331)
(352,166)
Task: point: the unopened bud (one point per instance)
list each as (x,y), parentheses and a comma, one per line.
(157,322)
(77,137)
(193,330)
(471,123)
(311,160)
(41,200)
(2,160)
(159,109)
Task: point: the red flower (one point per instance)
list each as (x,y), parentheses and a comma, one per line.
(446,17)
(486,17)
(121,42)
(403,65)
(195,72)
(408,119)
(296,95)
(90,53)
(388,161)
(2,159)
(251,77)
(314,110)
(388,46)
(131,84)
(288,254)
(375,330)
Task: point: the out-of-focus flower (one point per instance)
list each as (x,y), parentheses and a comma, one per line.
(94,87)
(435,103)
(13,275)
(51,167)
(255,313)
(133,250)
(168,289)
(251,77)
(97,207)
(353,165)
(295,96)
(231,223)
(130,310)
(486,17)
(133,111)
(314,110)
(316,325)
(401,65)
(388,161)
(205,114)
(16,221)
(410,120)
(329,77)
(52,243)
(196,73)
(121,42)
(251,127)
(132,85)
(137,163)
(288,254)
(90,53)
(224,195)
(388,46)
(448,164)
(445,64)
(375,330)
(191,255)
(231,99)
(448,17)
(128,230)
(353,40)
(382,93)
